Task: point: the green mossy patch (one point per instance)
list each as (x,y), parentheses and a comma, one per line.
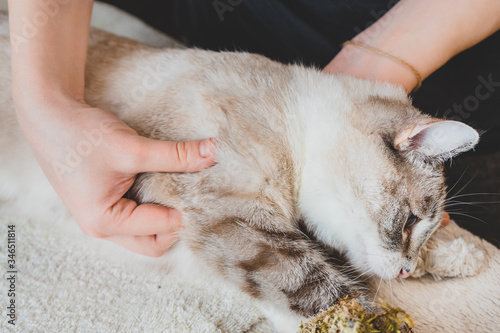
(347,315)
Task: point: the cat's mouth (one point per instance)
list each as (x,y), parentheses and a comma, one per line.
(404,273)
(407,270)
(382,265)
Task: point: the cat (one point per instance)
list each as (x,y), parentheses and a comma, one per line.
(316,174)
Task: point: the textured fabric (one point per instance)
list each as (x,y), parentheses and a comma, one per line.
(67,282)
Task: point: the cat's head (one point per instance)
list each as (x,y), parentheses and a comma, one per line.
(378,193)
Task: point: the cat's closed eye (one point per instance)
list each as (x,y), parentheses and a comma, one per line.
(411,221)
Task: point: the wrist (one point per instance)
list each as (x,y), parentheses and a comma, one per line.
(401,34)
(46,99)
(365,64)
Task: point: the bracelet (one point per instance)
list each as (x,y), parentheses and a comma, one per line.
(401,61)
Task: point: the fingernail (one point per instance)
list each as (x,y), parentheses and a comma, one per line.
(206,147)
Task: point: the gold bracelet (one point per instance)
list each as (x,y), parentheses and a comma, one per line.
(401,61)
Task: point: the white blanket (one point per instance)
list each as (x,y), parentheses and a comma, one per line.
(68,282)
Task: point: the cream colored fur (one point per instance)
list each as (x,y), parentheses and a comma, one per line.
(11,188)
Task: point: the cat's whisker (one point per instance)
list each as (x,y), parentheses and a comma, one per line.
(360,279)
(452,212)
(305,235)
(476,203)
(348,266)
(376,293)
(363,277)
(337,260)
(366,273)
(455,209)
(401,280)
(456,183)
(469,195)
(466,184)
(473,217)
(373,254)
(455,206)
(392,294)
(380,283)
(350,272)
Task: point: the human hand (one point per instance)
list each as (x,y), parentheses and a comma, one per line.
(89,155)
(92,158)
(418,33)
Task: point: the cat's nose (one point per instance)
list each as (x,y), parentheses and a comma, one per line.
(403,274)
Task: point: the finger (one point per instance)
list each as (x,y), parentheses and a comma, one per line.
(127,218)
(152,246)
(445,220)
(170,156)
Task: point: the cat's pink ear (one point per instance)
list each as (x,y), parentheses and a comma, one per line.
(436,140)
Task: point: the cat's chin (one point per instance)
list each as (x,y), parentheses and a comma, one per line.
(367,261)
(388,276)
(368,270)
(384,271)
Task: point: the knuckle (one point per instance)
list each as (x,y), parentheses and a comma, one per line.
(181,151)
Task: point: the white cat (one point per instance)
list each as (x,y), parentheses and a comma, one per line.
(315,173)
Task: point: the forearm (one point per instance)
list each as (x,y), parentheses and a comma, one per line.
(424,33)
(48,80)
(49,46)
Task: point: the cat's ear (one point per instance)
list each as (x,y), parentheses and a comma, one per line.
(437,140)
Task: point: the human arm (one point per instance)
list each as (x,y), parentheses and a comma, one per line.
(424,33)
(48,65)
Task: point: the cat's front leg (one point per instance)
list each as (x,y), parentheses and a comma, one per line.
(283,320)
(288,274)
(445,255)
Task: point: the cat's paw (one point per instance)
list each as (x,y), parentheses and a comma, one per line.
(283,320)
(443,257)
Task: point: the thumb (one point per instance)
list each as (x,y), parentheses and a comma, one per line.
(170,156)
